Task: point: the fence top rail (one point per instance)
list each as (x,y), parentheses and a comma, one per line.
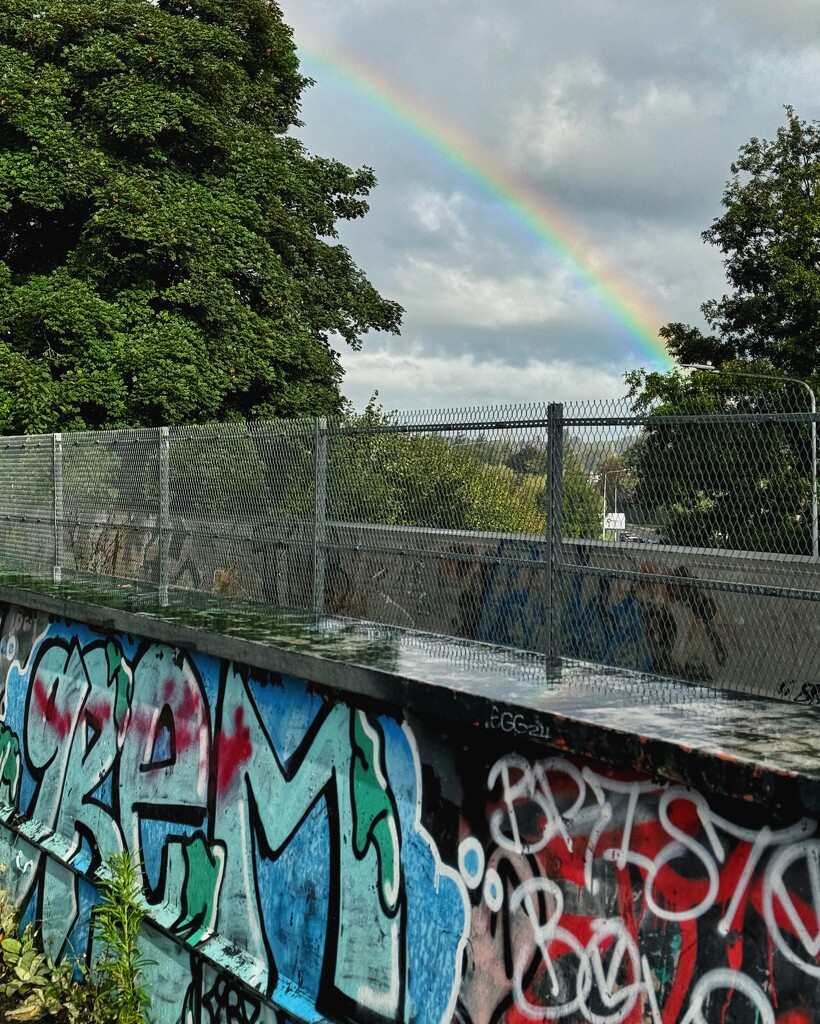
(657,419)
(442,422)
(440,426)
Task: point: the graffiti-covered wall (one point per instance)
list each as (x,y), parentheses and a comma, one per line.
(494,591)
(684,617)
(310,856)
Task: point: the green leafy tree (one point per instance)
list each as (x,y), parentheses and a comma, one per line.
(425,480)
(744,485)
(581,514)
(769,236)
(168,249)
(432,480)
(740,485)
(530,458)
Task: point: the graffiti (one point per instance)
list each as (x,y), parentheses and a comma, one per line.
(512,606)
(800,693)
(517,723)
(659,627)
(610,900)
(308,858)
(656,627)
(283,824)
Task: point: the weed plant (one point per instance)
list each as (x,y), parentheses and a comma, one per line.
(34,988)
(117,992)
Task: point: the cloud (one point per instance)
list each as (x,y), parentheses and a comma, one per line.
(791,24)
(409,377)
(438,293)
(600,141)
(625,116)
(438,213)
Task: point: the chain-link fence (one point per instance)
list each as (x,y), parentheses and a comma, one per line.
(706,567)
(679,541)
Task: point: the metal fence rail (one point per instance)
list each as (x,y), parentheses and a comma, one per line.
(677,542)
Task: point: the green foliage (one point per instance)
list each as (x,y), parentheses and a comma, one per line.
(582,503)
(417,479)
(167,248)
(433,480)
(734,485)
(32,986)
(744,486)
(118,995)
(424,480)
(212,472)
(769,236)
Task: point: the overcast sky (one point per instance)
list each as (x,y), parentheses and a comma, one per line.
(623,116)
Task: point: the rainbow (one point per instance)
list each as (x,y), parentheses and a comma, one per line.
(551,228)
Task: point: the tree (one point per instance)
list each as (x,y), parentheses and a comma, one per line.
(427,480)
(770,238)
(736,485)
(581,514)
(167,248)
(740,485)
(448,482)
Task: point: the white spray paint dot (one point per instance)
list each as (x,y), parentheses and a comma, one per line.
(493,891)
(471,862)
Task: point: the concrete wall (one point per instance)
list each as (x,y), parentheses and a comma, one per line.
(309,853)
(459,583)
(748,642)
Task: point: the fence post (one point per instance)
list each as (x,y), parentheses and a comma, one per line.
(57,469)
(164,515)
(555,551)
(320,516)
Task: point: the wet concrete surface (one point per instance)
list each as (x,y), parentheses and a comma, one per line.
(741,745)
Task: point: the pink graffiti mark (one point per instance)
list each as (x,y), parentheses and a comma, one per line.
(187,720)
(60,721)
(234,752)
(99,709)
(188,716)
(142,718)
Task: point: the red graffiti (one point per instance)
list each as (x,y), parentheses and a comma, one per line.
(631,869)
(187,721)
(188,715)
(60,721)
(234,752)
(99,709)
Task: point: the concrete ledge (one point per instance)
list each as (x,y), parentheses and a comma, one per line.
(762,751)
(343,822)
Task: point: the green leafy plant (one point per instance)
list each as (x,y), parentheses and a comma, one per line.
(116,993)
(32,986)
(36,987)
(168,248)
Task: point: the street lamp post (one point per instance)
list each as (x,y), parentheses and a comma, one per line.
(813,399)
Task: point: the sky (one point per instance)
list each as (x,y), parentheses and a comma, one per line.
(545,169)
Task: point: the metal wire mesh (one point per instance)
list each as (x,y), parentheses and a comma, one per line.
(706,566)
(108,504)
(27,506)
(679,541)
(242,511)
(425,513)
